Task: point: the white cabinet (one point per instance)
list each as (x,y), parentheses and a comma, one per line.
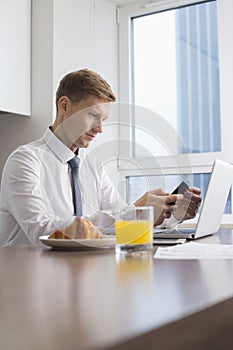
(15,56)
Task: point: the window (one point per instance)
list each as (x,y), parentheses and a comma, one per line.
(176,74)
(175,65)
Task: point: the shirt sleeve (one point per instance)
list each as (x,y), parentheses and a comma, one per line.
(111,203)
(110,197)
(25,198)
(169,223)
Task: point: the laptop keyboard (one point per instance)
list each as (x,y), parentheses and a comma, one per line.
(174,231)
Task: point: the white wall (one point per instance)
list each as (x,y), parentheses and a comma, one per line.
(85,36)
(66,35)
(17,129)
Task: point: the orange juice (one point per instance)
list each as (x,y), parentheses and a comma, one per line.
(134,232)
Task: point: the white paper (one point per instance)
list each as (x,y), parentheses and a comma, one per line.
(195,250)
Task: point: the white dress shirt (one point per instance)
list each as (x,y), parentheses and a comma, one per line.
(36,193)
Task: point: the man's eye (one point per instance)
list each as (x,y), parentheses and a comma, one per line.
(92,115)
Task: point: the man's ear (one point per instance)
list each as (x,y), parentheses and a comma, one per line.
(62,104)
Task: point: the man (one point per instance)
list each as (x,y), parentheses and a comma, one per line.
(37,189)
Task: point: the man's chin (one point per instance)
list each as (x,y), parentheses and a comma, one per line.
(83,145)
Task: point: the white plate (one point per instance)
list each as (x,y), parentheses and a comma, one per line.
(79,244)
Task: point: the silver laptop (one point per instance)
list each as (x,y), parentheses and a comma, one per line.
(211,210)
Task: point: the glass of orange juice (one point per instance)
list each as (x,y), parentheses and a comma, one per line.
(134,230)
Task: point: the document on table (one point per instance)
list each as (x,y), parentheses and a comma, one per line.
(195,250)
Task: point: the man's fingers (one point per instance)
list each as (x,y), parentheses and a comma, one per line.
(171,199)
(158,192)
(195,190)
(167,214)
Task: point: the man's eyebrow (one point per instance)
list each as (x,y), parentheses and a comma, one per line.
(95,110)
(98,111)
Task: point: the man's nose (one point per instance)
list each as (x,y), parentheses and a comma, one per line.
(98,128)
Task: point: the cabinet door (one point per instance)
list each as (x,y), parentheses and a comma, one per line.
(15,60)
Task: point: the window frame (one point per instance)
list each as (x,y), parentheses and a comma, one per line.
(199,162)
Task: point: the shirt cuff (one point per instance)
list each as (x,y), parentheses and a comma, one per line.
(169,223)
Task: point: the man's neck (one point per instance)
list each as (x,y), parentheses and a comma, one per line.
(73,148)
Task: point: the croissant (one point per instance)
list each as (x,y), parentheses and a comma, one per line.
(80,228)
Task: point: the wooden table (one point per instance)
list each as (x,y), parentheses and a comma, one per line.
(58,300)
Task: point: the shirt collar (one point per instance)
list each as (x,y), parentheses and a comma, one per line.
(57,146)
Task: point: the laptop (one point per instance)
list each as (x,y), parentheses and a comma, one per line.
(211,211)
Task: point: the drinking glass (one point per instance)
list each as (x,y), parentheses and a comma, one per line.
(134,230)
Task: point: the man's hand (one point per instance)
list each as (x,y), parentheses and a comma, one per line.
(185,208)
(159,200)
(187,205)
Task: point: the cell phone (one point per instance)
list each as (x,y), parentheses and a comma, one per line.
(180,189)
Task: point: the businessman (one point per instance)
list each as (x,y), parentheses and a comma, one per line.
(38,189)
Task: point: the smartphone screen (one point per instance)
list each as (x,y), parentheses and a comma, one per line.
(180,189)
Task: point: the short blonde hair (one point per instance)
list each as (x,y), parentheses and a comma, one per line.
(78,85)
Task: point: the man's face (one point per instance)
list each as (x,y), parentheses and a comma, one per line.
(83,121)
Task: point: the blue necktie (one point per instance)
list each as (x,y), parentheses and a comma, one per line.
(77,199)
